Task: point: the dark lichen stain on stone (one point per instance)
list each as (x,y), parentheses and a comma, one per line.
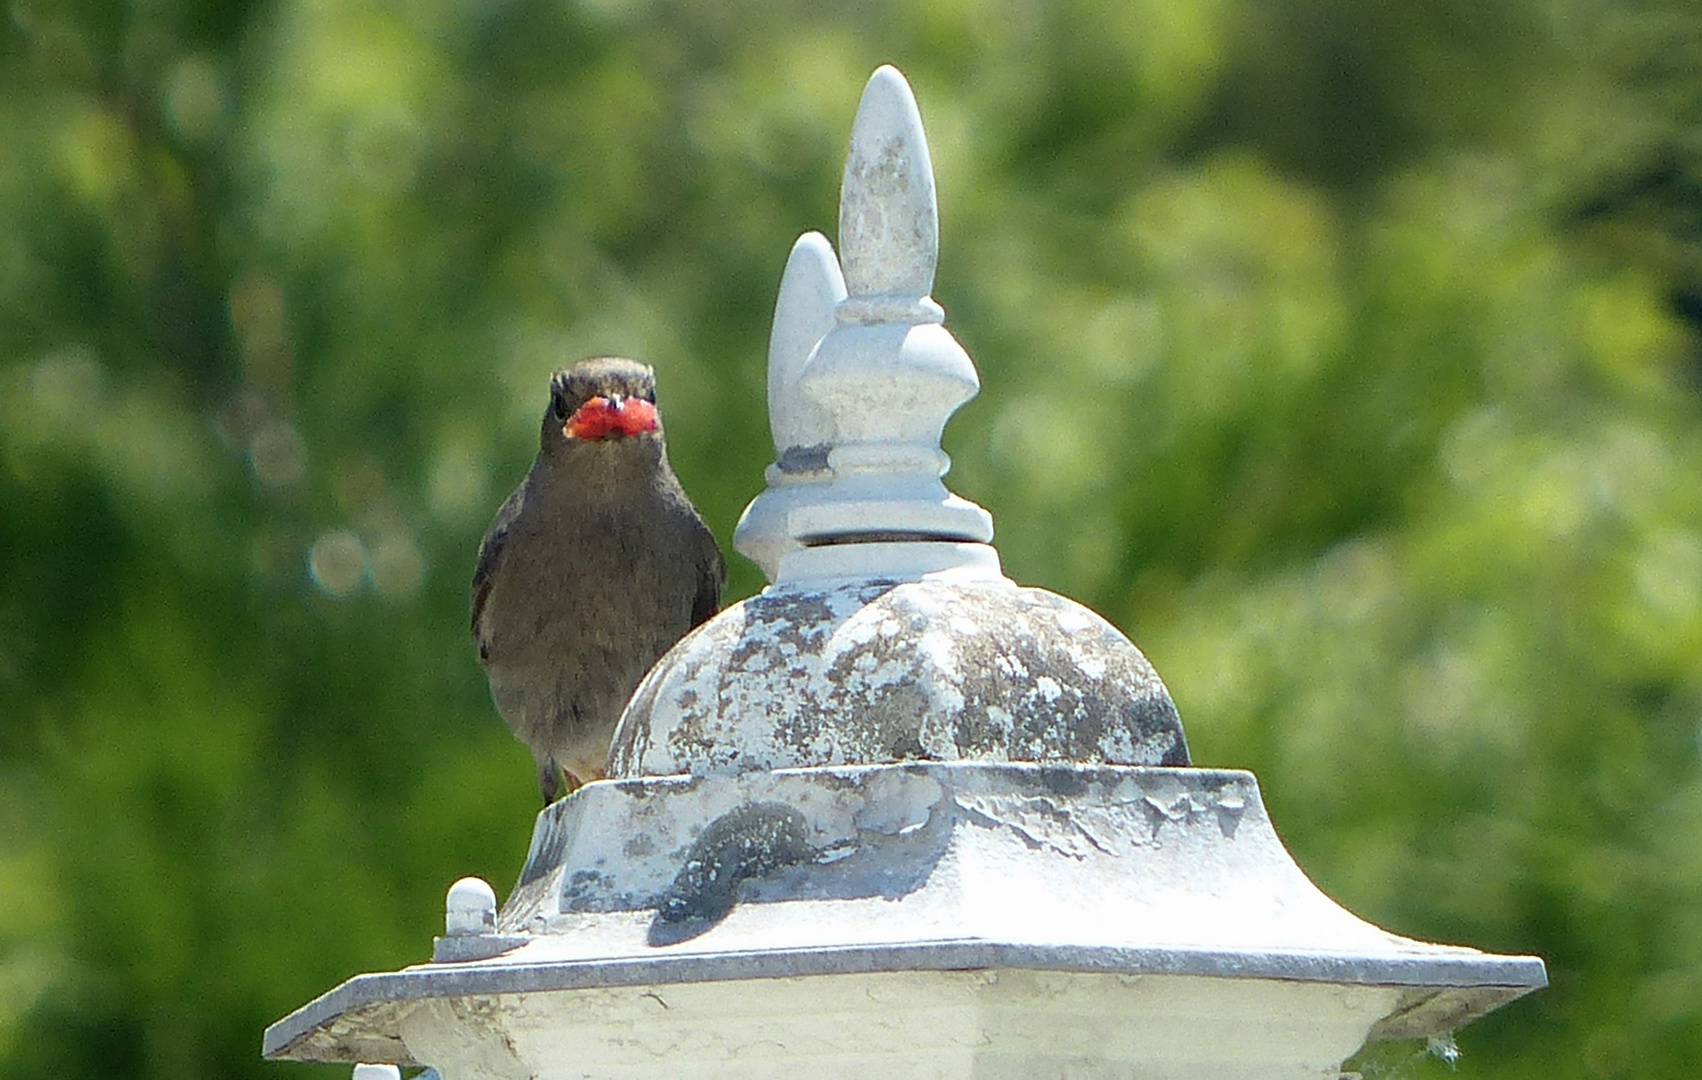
(547,845)
(632,738)
(579,890)
(839,781)
(1009,712)
(886,722)
(800,623)
(750,842)
(1064,781)
(688,737)
(891,726)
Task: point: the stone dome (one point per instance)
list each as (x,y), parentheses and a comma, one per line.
(948,668)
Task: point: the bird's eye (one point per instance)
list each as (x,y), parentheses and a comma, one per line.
(558,406)
(649,395)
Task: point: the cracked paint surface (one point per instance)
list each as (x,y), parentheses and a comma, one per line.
(690,849)
(877,672)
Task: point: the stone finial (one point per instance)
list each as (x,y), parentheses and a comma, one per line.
(858,402)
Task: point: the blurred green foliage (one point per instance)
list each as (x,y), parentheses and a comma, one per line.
(1347,355)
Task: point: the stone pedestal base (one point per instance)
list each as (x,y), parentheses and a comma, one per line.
(924,920)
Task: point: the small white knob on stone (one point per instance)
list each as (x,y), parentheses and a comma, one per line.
(470,909)
(377,1072)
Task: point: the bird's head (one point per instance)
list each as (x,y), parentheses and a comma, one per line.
(607,399)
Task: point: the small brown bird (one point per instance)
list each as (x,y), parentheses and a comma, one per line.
(594,567)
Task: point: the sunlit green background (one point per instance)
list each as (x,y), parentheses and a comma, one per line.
(1347,355)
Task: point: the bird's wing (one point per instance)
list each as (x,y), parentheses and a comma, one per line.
(712,574)
(490,558)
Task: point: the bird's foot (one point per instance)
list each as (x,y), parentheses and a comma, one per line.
(550,778)
(558,782)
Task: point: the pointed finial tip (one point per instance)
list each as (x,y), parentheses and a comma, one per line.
(810,288)
(888,220)
(812,259)
(888,107)
(888,79)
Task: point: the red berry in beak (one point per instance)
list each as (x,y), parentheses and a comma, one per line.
(602,418)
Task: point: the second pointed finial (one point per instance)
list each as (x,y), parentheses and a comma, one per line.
(810,289)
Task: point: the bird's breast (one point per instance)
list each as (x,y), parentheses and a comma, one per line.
(595,580)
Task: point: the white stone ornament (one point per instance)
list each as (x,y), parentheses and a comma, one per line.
(858,402)
(470,908)
(469,924)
